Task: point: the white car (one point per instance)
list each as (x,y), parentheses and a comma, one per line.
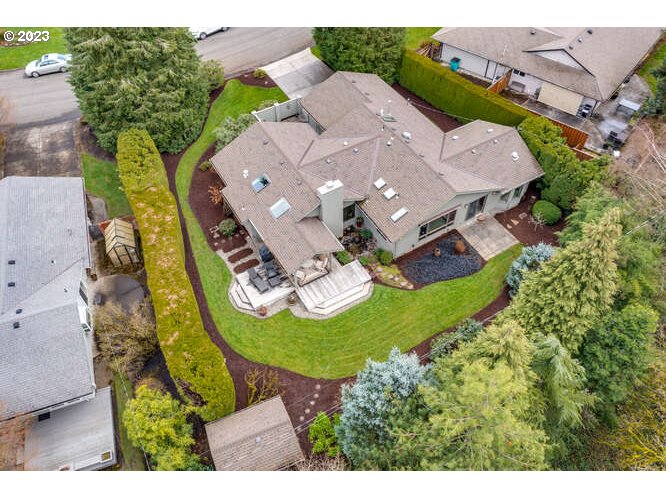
(202,33)
(48,63)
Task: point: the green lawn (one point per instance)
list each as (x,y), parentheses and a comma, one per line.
(415,36)
(339,346)
(19,57)
(653,62)
(133,459)
(102,180)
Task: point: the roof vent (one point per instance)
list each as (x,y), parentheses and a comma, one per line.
(421,155)
(11,262)
(514,156)
(355,149)
(11,284)
(495,141)
(441,174)
(490,130)
(589,31)
(406,135)
(17,325)
(571,47)
(580,40)
(532,31)
(52,262)
(473,151)
(379,183)
(388,142)
(19,310)
(455,137)
(329,183)
(282,162)
(345,143)
(329,161)
(389,193)
(353,81)
(257,440)
(399,214)
(245,173)
(265,141)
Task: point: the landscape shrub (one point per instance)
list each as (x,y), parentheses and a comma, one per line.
(343,257)
(385,257)
(565,176)
(196,365)
(453,94)
(232,128)
(227,227)
(259,73)
(204,166)
(366,234)
(364,260)
(546,211)
(321,435)
(212,72)
(444,344)
(530,259)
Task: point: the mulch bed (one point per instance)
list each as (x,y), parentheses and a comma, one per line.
(236,257)
(445,122)
(249,79)
(527,233)
(87,141)
(422,267)
(238,269)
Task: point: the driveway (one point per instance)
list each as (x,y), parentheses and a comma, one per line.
(298,73)
(47,150)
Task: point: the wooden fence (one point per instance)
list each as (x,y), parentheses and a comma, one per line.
(499,86)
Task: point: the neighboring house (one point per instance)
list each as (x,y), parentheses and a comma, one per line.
(46,338)
(570,69)
(257,438)
(354,147)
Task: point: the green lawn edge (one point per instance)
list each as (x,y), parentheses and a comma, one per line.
(336,347)
(132,458)
(415,35)
(19,57)
(102,180)
(653,62)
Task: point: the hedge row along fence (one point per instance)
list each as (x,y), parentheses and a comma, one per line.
(195,363)
(455,95)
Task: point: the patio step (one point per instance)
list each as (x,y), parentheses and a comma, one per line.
(240,298)
(330,290)
(348,298)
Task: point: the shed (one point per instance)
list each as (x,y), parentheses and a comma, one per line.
(258,438)
(120,243)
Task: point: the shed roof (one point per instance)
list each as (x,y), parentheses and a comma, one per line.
(119,232)
(258,438)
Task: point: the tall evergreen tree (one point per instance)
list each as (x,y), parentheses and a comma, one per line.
(365,50)
(572,291)
(139,78)
(616,354)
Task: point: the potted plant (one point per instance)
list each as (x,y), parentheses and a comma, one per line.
(359,222)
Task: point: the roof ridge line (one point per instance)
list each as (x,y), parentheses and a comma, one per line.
(373,163)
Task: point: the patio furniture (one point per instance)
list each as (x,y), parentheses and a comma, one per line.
(271,271)
(252,273)
(261,285)
(275,281)
(265,254)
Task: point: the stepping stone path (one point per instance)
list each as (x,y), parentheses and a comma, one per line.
(522,215)
(514,222)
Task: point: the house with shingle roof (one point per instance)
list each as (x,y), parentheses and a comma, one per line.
(353,147)
(46,338)
(570,69)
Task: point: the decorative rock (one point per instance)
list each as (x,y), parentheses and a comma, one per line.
(316,395)
(437,251)
(317,386)
(307,411)
(301,418)
(460,247)
(312,402)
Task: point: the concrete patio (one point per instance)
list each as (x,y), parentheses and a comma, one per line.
(298,73)
(489,238)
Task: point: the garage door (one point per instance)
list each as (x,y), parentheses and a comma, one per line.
(560,98)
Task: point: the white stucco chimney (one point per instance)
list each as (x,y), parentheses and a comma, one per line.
(331,196)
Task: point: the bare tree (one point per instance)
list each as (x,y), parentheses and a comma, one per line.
(323,463)
(261,385)
(12,437)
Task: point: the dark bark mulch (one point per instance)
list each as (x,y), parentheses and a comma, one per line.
(421,267)
(245,266)
(88,142)
(240,255)
(249,79)
(526,232)
(445,122)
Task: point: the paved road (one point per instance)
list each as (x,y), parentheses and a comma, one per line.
(49,99)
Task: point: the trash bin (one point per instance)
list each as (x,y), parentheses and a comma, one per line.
(455,64)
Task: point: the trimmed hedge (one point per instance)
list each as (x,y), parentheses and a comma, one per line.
(453,94)
(549,212)
(195,363)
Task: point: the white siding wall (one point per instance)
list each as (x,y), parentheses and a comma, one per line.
(353,220)
(532,84)
(472,63)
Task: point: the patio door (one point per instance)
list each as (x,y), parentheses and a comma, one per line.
(475,207)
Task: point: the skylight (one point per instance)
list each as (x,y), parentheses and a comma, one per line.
(260,183)
(389,193)
(279,208)
(379,183)
(399,214)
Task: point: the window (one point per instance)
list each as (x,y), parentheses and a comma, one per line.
(44,416)
(517,191)
(440,223)
(519,73)
(504,197)
(260,183)
(106,456)
(348,212)
(83,292)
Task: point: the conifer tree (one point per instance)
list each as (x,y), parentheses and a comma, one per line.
(573,290)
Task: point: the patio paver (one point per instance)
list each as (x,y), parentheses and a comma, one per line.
(489,237)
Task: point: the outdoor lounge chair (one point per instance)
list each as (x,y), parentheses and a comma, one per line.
(275,281)
(271,271)
(252,273)
(261,285)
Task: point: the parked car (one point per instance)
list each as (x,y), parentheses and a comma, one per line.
(48,63)
(201,33)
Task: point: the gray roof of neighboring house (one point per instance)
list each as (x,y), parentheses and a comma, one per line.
(422,165)
(607,55)
(47,359)
(258,438)
(75,436)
